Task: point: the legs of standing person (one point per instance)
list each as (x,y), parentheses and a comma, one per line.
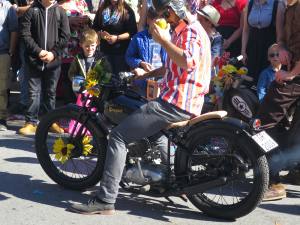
(23,78)
(67,91)
(4,76)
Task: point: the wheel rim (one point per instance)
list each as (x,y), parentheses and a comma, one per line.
(235,191)
(79,164)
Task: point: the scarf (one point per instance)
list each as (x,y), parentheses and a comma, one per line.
(110,18)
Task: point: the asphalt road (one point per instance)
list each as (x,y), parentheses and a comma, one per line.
(29,197)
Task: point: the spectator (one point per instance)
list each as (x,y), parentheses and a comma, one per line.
(231,23)
(143,53)
(279,97)
(268,75)
(116,24)
(263,26)
(8,41)
(78,15)
(21,7)
(209,17)
(45,32)
(145,5)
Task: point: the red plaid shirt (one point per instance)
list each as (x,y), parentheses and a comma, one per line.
(186,88)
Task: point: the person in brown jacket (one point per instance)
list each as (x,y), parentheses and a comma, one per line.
(285,90)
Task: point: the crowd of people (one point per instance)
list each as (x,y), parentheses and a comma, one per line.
(46,43)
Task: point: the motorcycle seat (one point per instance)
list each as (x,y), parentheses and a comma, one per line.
(197,119)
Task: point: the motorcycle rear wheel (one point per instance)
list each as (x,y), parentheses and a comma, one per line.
(226,201)
(79,171)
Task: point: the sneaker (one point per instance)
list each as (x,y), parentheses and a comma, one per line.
(275,192)
(3,125)
(94,206)
(55,128)
(28,129)
(293,177)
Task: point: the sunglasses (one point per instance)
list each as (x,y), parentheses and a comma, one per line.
(166,14)
(272,55)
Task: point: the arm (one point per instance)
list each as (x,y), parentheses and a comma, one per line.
(131,55)
(64,34)
(153,73)
(236,34)
(280,22)
(245,35)
(143,18)
(261,86)
(13,28)
(25,32)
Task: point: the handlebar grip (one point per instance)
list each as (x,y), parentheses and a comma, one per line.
(247,78)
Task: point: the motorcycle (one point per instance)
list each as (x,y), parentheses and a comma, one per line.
(219,163)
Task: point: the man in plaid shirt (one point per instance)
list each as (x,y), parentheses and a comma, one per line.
(186,80)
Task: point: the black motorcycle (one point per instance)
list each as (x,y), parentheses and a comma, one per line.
(219,162)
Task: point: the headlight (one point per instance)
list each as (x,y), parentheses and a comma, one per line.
(77,83)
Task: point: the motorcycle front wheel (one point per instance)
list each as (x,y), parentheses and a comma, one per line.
(74,155)
(246,186)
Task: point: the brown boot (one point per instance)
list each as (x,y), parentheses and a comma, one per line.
(275,192)
(28,129)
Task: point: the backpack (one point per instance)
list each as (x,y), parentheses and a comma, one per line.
(274,12)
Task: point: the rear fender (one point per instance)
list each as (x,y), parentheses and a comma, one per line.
(240,128)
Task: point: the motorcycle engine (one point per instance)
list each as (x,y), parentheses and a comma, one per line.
(143,164)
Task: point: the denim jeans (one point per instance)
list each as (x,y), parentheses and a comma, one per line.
(147,121)
(23,76)
(41,83)
(4,77)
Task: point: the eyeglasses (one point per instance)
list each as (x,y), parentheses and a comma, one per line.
(272,55)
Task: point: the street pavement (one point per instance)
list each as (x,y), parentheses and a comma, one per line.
(29,197)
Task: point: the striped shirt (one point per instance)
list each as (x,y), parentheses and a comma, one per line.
(186,88)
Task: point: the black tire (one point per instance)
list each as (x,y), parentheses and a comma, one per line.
(239,145)
(240,103)
(87,169)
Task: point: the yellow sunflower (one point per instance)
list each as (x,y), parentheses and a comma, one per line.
(87,147)
(90,87)
(62,151)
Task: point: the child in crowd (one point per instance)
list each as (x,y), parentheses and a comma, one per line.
(143,53)
(268,75)
(45,31)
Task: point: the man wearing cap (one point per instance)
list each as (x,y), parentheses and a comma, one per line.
(209,17)
(186,80)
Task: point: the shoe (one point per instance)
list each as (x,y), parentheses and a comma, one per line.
(55,128)
(275,192)
(28,129)
(293,177)
(3,125)
(94,206)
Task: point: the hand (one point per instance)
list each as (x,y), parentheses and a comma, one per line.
(48,58)
(158,34)
(42,54)
(138,72)
(245,58)
(146,66)
(226,44)
(112,39)
(282,76)
(285,58)
(104,35)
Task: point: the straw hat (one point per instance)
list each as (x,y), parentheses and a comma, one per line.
(210,13)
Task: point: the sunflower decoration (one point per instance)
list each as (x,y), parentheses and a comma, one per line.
(87,147)
(62,151)
(101,72)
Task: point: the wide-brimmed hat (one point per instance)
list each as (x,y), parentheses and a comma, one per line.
(210,13)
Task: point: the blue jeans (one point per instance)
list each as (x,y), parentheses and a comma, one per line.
(23,77)
(41,83)
(147,121)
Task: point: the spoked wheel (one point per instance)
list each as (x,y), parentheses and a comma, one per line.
(237,160)
(70,148)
